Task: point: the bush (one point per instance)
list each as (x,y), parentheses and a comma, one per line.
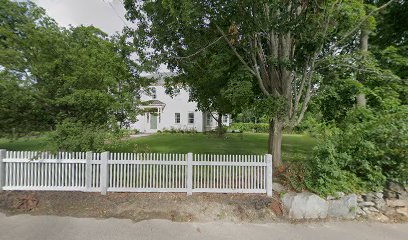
(75,136)
(177,130)
(326,174)
(367,150)
(250,127)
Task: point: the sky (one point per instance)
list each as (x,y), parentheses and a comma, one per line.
(108,15)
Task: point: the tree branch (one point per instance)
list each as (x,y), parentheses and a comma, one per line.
(254,71)
(200,50)
(309,76)
(357,27)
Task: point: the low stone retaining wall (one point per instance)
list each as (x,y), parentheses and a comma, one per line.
(384,206)
(390,205)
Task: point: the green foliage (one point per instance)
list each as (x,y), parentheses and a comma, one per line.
(250,127)
(178,130)
(369,148)
(326,171)
(20,108)
(51,74)
(77,136)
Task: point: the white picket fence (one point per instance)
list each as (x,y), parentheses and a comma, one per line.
(135,172)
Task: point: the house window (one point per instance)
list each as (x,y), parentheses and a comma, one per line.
(177,117)
(209,119)
(154,93)
(225,118)
(191,117)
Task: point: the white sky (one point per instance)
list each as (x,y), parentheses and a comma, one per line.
(103,14)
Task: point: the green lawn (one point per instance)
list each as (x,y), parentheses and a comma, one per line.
(295,147)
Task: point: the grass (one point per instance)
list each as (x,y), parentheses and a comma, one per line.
(25,144)
(294,147)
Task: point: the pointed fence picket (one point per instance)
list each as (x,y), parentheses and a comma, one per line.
(135,172)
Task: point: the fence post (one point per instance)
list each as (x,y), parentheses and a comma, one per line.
(104,172)
(189,173)
(2,169)
(88,171)
(268,158)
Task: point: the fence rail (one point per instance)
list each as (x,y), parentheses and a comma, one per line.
(135,172)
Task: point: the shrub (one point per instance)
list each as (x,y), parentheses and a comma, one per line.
(292,175)
(367,150)
(76,136)
(177,130)
(250,127)
(325,173)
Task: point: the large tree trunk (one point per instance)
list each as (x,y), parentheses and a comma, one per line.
(361,98)
(220,131)
(275,142)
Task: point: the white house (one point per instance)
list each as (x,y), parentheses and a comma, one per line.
(162,111)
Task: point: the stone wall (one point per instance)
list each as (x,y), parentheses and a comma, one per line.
(390,205)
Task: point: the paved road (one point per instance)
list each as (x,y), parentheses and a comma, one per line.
(23,227)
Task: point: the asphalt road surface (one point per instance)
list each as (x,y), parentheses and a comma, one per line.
(21,227)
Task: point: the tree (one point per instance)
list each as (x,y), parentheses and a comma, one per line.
(78,76)
(278,42)
(209,77)
(390,47)
(26,33)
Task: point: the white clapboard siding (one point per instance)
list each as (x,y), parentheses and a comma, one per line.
(135,172)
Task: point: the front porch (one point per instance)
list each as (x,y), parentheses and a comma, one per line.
(153,110)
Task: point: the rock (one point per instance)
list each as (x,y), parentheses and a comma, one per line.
(366,210)
(345,207)
(366,204)
(390,211)
(403,195)
(403,211)
(341,194)
(390,194)
(397,203)
(369,197)
(378,217)
(395,187)
(360,212)
(379,195)
(278,187)
(337,195)
(373,209)
(305,206)
(380,204)
(360,198)
(373,196)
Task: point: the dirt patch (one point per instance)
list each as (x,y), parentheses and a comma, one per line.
(142,206)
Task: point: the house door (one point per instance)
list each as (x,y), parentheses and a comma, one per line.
(153,121)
